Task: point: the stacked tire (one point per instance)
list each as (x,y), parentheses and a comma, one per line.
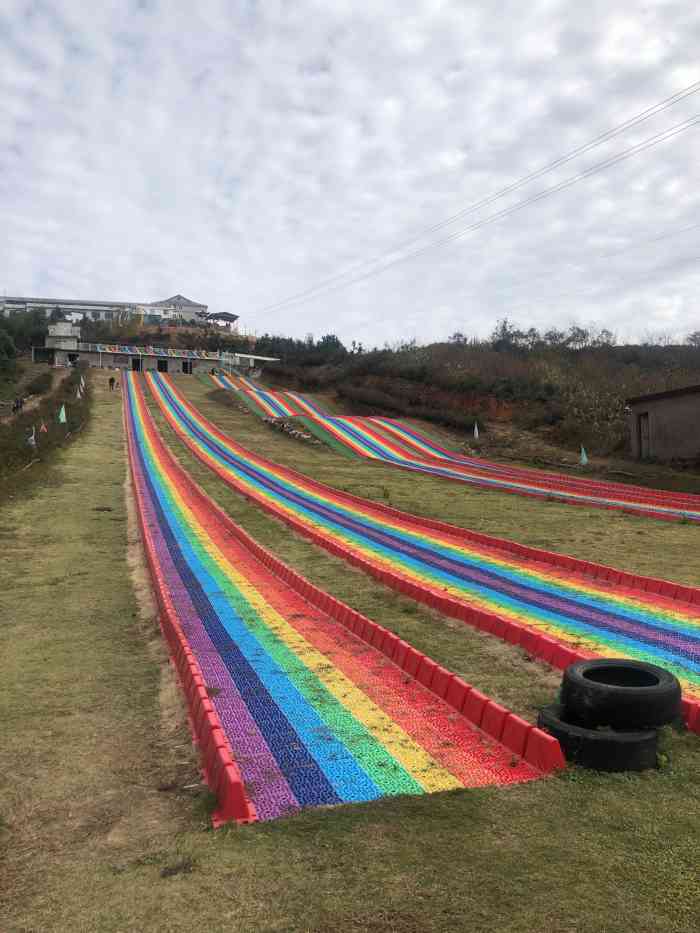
(610,711)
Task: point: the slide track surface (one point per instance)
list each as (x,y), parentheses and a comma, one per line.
(584,608)
(312,713)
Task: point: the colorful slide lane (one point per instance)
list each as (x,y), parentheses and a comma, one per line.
(314,715)
(262,402)
(380,439)
(389,441)
(513,591)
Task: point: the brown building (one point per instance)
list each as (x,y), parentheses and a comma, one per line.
(666,425)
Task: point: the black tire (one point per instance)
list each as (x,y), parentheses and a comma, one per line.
(620,693)
(600,750)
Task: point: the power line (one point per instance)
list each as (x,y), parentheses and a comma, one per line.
(625,154)
(636,244)
(602,289)
(561,160)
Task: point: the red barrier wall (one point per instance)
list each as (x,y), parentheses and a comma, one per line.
(538,748)
(218,765)
(525,740)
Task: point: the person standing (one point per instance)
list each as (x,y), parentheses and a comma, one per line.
(111,383)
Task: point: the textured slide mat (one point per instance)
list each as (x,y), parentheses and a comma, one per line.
(314,715)
(594,616)
(390,441)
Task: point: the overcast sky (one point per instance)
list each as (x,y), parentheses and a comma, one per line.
(241,152)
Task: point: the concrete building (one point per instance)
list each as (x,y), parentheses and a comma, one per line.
(182,308)
(63,347)
(666,425)
(63,336)
(177,308)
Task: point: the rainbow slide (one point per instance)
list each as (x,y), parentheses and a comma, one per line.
(505,588)
(312,713)
(387,440)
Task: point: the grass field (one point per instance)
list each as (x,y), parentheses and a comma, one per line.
(102,831)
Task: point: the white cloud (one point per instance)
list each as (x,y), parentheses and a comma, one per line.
(241,153)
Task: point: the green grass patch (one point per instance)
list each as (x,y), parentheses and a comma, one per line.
(16,452)
(92,843)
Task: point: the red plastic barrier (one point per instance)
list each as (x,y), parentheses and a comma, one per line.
(474,706)
(515,733)
(543,751)
(554,653)
(218,765)
(493,720)
(688,594)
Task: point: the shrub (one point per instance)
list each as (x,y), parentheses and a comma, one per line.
(40,384)
(15,452)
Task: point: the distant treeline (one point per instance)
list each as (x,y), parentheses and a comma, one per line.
(572,383)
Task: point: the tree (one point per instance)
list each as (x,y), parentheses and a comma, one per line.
(26,328)
(331,345)
(554,337)
(578,337)
(693,339)
(458,337)
(604,338)
(8,351)
(506,336)
(532,338)
(56,315)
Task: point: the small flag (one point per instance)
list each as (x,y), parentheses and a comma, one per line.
(31,440)
(476,431)
(82,383)
(583,459)
(78,394)
(62,415)
(43,429)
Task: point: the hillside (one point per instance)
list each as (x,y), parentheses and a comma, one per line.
(571,388)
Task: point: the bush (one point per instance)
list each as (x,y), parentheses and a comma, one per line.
(15,452)
(378,402)
(40,384)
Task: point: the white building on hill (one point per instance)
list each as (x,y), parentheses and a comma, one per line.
(177,308)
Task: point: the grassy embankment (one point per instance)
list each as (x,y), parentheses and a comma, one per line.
(47,392)
(94,730)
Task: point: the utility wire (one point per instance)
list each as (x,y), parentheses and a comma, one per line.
(606,289)
(625,154)
(556,163)
(636,244)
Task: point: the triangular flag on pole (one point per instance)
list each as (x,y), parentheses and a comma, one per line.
(31,440)
(43,429)
(82,383)
(62,415)
(476,431)
(78,394)
(583,459)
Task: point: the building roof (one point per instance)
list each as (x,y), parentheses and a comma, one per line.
(68,301)
(99,304)
(223,316)
(178,299)
(215,356)
(669,393)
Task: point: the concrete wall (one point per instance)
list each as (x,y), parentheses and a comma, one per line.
(674,427)
(122,361)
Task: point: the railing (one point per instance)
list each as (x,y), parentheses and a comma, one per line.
(132,350)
